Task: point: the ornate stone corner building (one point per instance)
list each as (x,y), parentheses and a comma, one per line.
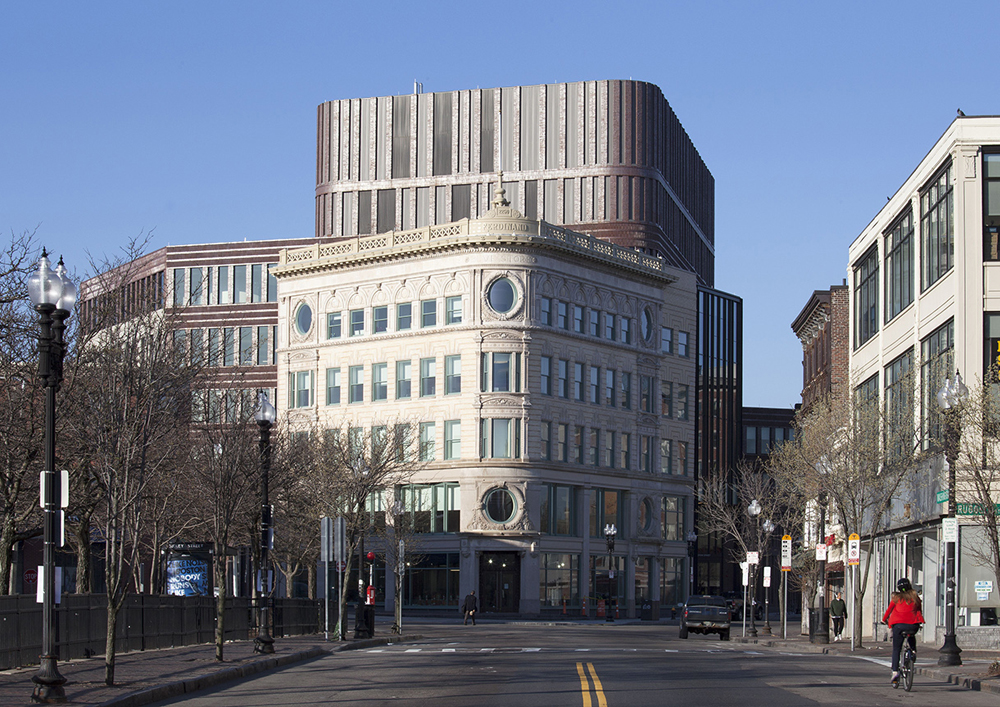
(539,369)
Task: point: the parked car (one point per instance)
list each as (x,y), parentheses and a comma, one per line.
(706,613)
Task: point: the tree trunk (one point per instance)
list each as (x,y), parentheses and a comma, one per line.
(109,643)
(220,602)
(312,581)
(84,565)
(6,554)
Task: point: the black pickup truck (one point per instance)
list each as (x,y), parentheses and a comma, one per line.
(705,614)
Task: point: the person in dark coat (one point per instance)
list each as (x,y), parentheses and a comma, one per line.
(469,607)
(838,612)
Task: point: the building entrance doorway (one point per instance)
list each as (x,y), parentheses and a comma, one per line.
(500,582)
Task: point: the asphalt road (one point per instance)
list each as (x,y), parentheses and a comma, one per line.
(588,666)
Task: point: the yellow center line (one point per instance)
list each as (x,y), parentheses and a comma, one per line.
(584,685)
(598,688)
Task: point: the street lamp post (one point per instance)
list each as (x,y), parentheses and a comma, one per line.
(753,510)
(610,531)
(264,415)
(951,398)
(53,295)
(768,529)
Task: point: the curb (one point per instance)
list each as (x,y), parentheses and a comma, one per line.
(182,687)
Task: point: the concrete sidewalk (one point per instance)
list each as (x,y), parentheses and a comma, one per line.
(972,674)
(148,676)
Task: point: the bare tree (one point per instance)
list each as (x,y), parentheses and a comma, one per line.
(225,471)
(857,454)
(132,389)
(21,429)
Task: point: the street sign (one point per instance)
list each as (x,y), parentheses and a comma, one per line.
(821,552)
(949,530)
(753,558)
(341,565)
(326,539)
(339,539)
(786,553)
(853,549)
(745,566)
(942,496)
(767,575)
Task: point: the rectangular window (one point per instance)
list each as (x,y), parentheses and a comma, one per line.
(937,353)
(403,380)
(558,514)
(562,317)
(750,446)
(213,347)
(645,393)
(682,402)
(682,458)
(240,284)
(246,345)
(609,449)
(937,229)
(357,322)
(595,323)
(428,437)
(428,313)
(683,350)
(401,442)
(228,346)
(179,287)
(563,379)
(866,297)
(500,438)
(222,293)
(452,439)
(263,347)
(356,383)
(595,385)
(646,453)
(626,458)
(272,284)
(404,316)
(578,382)
(578,444)
(300,387)
(577,319)
(562,442)
(333,325)
(256,283)
(380,320)
(666,340)
(609,387)
(899,266)
(546,375)
(453,310)
(605,509)
(380,381)
(197,290)
(666,457)
(672,518)
(546,310)
(991,205)
(899,404)
(501,372)
(594,447)
(428,379)
(431,508)
(197,347)
(333,386)
(545,432)
(626,330)
(666,398)
(626,391)
(452,375)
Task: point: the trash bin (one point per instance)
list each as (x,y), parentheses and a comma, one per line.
(364,621)
(819,625)
(646,612)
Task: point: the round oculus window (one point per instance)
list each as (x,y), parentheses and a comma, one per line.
(502,296)
(500,506)
(303,318)
(647,325)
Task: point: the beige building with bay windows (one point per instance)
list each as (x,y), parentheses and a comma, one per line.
(548,376)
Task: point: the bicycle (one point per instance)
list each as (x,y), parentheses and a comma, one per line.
(907,660)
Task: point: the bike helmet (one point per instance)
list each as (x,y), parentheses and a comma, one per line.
(903,585)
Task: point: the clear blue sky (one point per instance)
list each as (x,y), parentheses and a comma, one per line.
(196,120)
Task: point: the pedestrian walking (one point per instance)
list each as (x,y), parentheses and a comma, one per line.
(838,612)
(469,607)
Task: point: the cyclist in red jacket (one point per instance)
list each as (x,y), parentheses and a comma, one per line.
(903,616)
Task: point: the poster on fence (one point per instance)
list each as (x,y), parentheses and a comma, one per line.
(188,576)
